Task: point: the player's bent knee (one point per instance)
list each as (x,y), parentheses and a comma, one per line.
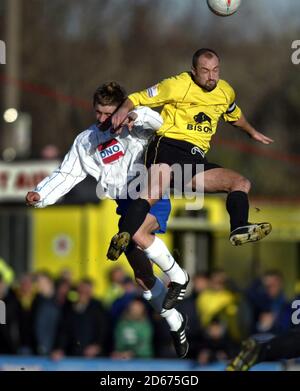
(241,184)
(246,185)
(140,239)
(143,238)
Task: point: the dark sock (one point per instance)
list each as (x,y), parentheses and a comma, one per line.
(135,216)
(285,346)
(237,205)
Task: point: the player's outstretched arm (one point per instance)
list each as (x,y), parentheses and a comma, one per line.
(32,198)
(243,124)
(63,179)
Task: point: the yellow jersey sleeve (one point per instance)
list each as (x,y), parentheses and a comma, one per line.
(159,94)
(233,112)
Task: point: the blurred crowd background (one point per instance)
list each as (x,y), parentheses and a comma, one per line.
(60,318)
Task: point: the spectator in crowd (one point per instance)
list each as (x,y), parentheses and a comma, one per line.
(130,292)
(46,314)
(50,152)
(9,335)
(116,276)
(25,294)
(133,333)
(200,282)
(6,272)
(214,299)
(84,327)
(269,304)
(63,288)
(215,344)
(219,301)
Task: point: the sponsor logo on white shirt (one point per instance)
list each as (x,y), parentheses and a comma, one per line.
(111,151)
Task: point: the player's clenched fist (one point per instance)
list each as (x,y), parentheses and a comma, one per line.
(32,198)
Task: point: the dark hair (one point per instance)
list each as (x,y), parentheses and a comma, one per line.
(209,53)
(109,94)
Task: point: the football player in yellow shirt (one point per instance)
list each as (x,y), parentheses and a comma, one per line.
(193,102)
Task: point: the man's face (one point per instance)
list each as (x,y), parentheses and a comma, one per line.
(103,114)
(273,285)
(207,72)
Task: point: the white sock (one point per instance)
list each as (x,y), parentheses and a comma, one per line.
(173,318)
(159,254)
(156,296)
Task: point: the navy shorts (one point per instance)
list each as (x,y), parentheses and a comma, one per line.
(161,210)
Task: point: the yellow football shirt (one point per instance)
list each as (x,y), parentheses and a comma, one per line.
(189,112)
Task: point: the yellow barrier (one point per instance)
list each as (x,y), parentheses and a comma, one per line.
(77,238)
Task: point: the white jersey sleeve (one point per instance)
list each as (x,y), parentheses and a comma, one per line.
(147,120)
(65,177)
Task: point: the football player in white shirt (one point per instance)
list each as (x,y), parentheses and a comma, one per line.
(111,160)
